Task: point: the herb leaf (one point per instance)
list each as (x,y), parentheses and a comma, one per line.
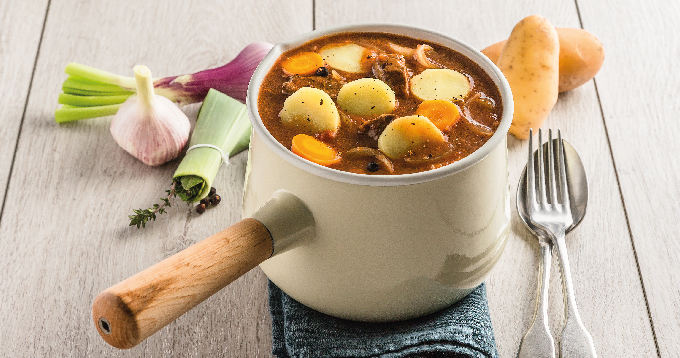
(142,216)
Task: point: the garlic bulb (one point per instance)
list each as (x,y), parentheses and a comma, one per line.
(150,127)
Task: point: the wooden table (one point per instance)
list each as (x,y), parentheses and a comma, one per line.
(66,190)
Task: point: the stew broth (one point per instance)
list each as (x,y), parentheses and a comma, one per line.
(395,60)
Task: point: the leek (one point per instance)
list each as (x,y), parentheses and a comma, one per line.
(222,122)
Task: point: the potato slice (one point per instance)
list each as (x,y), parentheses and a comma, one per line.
(366,97)
(440,84)
(310,109)
(346,57)
(408,134)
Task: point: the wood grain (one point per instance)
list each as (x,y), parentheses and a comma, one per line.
(637,87)
(21,24)
(64,234)
(72,240)
(606,282)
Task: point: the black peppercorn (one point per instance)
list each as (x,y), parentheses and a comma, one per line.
(200,208)
(215,199)
(213,191)
(205,201)
(322,71)
(373,167)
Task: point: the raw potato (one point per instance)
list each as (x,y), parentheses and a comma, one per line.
(494,51)
(310,109)
(440,84)
(406,134)
(530,62)
(581,56)
(366,97)
(346,58)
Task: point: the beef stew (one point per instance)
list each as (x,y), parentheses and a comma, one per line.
(382,103)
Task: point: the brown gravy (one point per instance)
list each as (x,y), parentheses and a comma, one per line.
(480,111)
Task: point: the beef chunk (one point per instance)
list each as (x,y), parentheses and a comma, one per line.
(328,84)
(391,69)
(374,127)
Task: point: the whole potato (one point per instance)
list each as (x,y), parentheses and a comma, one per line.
(581,56)
(530,62)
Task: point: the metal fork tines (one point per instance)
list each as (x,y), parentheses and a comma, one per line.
(550,211)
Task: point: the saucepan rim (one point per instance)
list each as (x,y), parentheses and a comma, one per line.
(381,180)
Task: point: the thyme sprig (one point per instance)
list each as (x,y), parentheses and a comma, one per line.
(142,216)
(188,188)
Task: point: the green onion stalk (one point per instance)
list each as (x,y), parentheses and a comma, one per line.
(89,92)
(222,130)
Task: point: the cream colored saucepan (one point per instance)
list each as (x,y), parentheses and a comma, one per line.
(369,248)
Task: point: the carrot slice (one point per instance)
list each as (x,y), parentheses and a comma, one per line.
(441,112)
(314,150)
(304,63)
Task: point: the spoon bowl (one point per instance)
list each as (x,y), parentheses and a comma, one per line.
(578,197)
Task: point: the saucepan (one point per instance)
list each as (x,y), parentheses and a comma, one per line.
(354,246)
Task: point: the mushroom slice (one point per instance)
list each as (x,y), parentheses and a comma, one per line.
(440,84)
(407,135)
(346,57)
(366,97)
(373,153)
(311,110)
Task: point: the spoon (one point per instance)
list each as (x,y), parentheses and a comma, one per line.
(538,342)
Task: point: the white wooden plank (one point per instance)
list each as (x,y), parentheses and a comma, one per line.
(606,280)
(64,234)
(637,87)
(20,28)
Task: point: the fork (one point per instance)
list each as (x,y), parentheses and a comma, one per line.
(550,210)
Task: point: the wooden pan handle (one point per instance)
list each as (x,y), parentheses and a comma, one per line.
(132,310)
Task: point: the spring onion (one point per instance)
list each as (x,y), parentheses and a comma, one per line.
(98,90)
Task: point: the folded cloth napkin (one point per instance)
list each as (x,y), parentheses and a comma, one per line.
(461,330)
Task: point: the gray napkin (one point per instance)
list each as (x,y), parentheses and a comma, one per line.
(461,330)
